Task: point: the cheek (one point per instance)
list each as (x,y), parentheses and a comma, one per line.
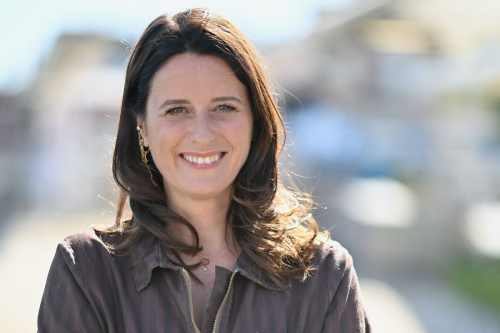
(165,138)
(241,136)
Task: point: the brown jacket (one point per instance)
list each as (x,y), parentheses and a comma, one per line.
(90,290)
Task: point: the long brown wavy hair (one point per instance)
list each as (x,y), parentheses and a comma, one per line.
(271,223)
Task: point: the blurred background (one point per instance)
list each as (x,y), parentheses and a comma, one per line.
(393,112)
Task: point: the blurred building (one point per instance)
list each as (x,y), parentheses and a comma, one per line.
(15,147)
(371,97)
(74,101)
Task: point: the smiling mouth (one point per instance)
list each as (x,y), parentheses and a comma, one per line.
(203,160)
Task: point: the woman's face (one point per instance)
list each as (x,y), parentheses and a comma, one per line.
(198,126)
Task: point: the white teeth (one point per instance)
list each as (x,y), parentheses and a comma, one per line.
(202,160)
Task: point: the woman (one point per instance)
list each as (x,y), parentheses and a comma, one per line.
(215,243)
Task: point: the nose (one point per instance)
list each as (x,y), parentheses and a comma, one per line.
(202,131)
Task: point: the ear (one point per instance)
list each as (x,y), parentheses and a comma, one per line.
(142,125)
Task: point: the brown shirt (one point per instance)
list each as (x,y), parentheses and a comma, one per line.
(90,290)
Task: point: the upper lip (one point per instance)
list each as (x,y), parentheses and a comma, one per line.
(197,154)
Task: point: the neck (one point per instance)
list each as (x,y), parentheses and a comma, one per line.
(208,217)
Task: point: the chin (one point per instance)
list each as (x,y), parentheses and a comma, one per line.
(208,194)
(202,191)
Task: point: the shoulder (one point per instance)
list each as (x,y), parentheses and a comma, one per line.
(334,264)
(85,239)
(89,247)
(87,258)
(345,312)
(333,254)
(88,240)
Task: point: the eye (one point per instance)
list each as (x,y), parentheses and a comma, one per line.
(175,111)
(225,108)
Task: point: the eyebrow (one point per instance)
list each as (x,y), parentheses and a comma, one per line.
(173,101)
(226,98)
(185,101)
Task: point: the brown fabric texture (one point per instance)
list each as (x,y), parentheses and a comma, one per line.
(90,290)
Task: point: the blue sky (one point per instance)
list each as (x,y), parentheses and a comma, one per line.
(28,29)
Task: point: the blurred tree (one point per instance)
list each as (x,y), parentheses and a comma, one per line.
(492,95)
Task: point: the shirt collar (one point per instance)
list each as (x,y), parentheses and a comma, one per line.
(249,269)
(149,249)
(153,255)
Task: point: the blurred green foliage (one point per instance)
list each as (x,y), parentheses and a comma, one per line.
(492,95)
(479,280)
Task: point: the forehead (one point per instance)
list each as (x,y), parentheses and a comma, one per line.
(190,74)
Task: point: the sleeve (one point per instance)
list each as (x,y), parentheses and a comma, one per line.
(346,313)
(65,306)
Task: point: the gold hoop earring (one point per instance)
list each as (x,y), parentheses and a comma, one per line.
(144,152)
